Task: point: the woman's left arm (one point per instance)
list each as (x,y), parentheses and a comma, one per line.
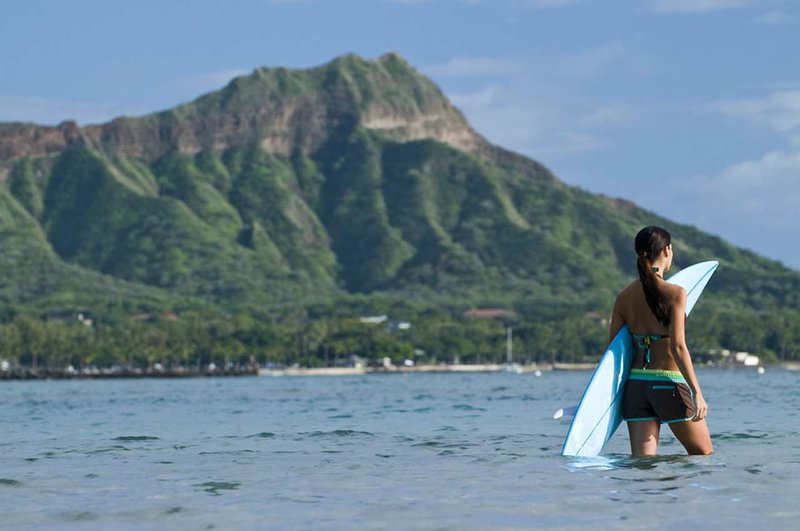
(617,322)
(682,356)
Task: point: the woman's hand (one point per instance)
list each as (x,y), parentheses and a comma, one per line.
(700,407)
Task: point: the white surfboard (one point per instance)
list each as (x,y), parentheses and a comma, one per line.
(599,411)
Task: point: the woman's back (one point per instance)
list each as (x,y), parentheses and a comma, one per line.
(642,323)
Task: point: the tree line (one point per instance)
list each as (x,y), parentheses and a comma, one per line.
(195,339)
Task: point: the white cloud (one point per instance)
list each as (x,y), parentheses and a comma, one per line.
(779,110)
(695,6)
(546,3)
(591,61)
(766,191)
(608,115)
(583,63)
(752,203)
(480,99)
(519,113)
(540,123)
(601,60)
(45,111)
(474,67)
(775,18)
(538,4)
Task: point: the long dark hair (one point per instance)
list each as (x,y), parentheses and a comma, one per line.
(650,242)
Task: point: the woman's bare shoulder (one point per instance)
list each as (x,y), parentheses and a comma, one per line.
(628,290)
(674,293)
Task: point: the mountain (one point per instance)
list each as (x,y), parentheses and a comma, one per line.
(289,188)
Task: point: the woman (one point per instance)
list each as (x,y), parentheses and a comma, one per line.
(662,386)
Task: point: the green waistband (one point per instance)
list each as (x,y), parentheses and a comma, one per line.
(656,374)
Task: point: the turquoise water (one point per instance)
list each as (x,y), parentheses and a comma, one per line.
(418,451)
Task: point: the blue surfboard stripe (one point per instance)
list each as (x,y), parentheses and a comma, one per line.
(617,397)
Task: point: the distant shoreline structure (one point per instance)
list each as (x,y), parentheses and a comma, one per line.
(63,374)
(536,370)
(435,368)
(27,373)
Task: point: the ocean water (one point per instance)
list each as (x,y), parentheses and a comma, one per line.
(413,451)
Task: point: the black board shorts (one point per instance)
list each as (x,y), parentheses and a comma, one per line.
(657,395)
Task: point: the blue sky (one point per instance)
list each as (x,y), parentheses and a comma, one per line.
(690,108)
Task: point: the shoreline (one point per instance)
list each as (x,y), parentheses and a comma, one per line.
(61,374)
(439,368)
(537,370)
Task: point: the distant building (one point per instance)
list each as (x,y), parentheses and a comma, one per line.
(489,312)
(746,359)
(598,317)
(153,317)
(391,324)
(373,319)
(737,358)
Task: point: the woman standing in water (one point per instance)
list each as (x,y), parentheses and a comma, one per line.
(662,386)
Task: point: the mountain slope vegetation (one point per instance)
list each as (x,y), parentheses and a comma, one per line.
(317,195)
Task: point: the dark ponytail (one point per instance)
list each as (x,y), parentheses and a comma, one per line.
(649,243)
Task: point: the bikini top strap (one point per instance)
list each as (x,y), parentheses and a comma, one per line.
(644,342)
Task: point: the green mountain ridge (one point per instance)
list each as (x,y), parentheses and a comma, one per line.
(294,188)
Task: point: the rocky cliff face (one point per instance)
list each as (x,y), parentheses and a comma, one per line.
(19,140)
(280,110)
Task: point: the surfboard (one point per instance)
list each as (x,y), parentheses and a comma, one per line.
(599,412)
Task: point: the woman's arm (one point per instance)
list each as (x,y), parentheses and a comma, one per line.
(681,355)
(617,322)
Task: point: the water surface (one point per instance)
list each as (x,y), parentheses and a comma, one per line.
(414,451)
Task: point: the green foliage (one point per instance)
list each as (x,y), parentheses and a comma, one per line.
(264,192)
(353,210)
(26,186)
(179,177)
(270,217)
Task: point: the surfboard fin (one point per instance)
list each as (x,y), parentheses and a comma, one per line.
(565,412)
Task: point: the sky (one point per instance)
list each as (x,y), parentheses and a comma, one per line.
(689,108)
